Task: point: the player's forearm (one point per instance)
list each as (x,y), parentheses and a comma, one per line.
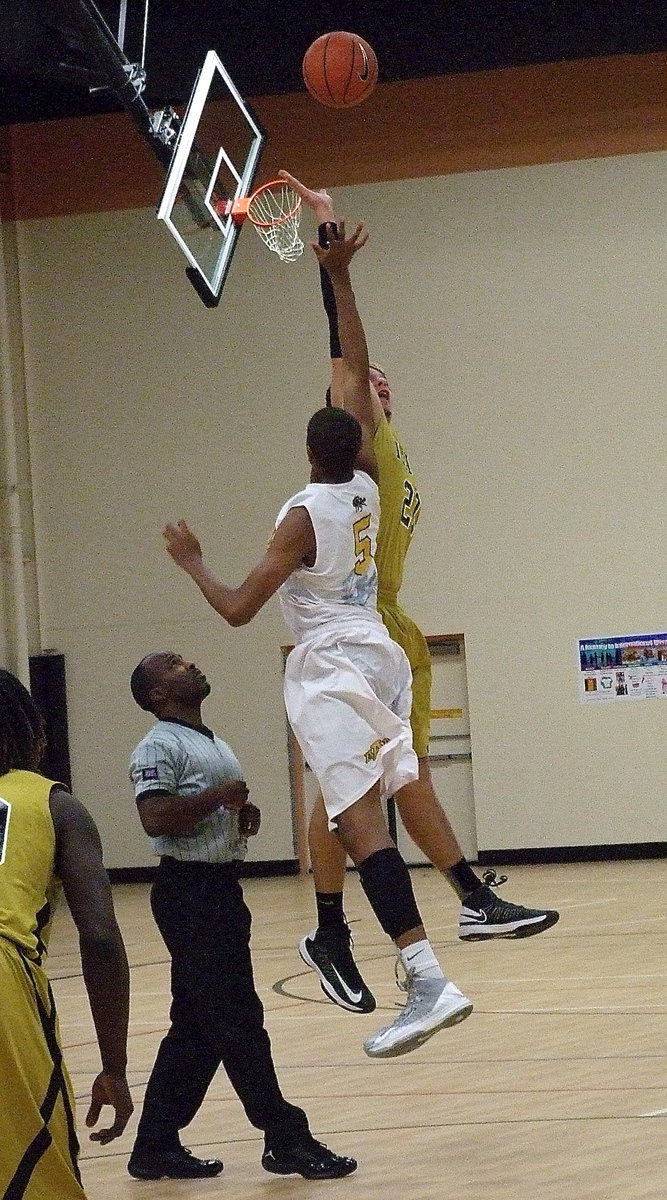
(328,298)
(107,980)
(228,602)
(354,349)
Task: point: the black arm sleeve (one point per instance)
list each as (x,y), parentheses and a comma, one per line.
(328,297)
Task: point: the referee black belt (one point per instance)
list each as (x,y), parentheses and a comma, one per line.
(199,866)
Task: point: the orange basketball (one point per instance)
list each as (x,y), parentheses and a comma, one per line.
(340,69)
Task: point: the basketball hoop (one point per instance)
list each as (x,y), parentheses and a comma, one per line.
(275,211)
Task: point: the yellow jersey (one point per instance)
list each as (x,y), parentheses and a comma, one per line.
(28,884)
(399,510)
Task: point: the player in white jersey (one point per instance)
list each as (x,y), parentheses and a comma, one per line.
(347,689)
(347,685)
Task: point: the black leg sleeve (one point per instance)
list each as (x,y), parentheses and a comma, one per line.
(387,884)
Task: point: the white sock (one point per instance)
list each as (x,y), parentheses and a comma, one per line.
(419,959)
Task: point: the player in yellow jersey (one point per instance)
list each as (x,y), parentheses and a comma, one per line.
(47,838)
(483,914)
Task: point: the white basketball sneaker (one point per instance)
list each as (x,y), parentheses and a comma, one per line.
(432,1004)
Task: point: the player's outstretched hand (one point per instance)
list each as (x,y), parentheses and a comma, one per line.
(337,256)
(320,201)
(113,1090)
(182,544)
(250,819)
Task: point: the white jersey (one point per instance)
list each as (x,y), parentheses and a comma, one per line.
(347,685)
(340,589)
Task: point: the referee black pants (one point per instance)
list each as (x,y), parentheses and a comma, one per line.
(216,1015)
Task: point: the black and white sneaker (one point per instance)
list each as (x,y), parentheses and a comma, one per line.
(485,916)
(179,1163)
(308,1158)
(328,951)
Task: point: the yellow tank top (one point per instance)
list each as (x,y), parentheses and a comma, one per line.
(399,511)
(28,885)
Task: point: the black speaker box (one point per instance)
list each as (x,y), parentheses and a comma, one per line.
(49,691)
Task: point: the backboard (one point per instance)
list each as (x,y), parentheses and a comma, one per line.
(214,163)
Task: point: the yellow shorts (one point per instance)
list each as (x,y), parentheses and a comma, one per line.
(404,631)
(38,1145)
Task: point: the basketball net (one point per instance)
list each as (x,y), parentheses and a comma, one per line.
(275,211)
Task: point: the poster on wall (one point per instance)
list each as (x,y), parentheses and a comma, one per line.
(632,667)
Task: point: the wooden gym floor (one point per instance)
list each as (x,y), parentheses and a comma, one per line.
(554,1089)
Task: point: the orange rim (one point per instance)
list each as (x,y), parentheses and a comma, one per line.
(279,220)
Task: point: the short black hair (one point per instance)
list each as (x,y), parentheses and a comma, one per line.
(327,398)
(21,726)
(334,439)
(142,683)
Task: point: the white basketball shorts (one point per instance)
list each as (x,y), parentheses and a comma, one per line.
(348,701)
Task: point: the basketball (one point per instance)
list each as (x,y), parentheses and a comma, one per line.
(340,69)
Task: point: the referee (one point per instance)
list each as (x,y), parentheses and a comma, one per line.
(193,804)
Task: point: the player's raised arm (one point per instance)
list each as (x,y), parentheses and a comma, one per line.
(365,406)
(335,259)
(292,544)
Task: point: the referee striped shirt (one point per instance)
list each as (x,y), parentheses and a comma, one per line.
(182,760)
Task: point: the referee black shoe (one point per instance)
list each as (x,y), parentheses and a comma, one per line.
(171,1164)
(310,1159)
(485,916)
(328,951)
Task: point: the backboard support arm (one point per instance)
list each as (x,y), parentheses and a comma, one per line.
(160,129)
(124,78)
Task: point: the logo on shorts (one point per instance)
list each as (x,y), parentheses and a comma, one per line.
(359,502)
(374,749)
(149,773)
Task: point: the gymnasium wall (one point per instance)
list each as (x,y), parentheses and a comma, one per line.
(513,289)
